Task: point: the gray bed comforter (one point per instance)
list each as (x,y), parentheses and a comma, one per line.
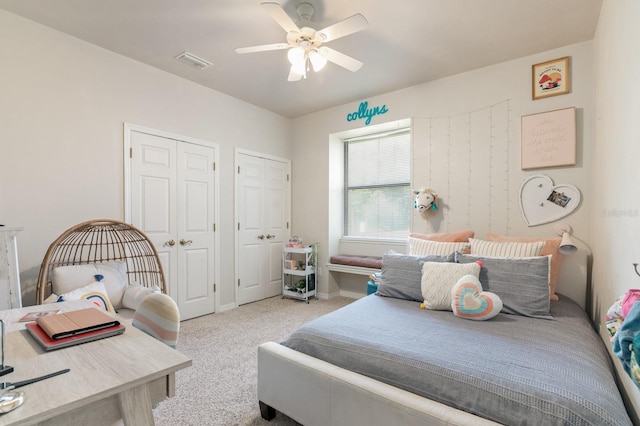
(511,369)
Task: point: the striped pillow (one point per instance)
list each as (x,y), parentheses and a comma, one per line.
(506,249)
(447,237)
(420,247)
(158,316)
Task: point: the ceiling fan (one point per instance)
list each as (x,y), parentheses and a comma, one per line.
(306,45)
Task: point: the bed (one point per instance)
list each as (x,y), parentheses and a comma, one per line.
(383,360)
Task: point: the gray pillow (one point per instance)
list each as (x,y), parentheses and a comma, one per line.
(402,275)
(521,283)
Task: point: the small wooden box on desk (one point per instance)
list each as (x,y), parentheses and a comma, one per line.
(299,272)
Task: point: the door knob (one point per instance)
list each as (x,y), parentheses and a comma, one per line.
(261,237)
(184,242)
(269,236)
(170,243)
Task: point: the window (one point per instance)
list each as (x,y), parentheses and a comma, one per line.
(378,185)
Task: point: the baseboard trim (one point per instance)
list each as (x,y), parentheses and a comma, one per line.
(351,294)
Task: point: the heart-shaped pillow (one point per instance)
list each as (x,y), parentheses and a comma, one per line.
(470,302)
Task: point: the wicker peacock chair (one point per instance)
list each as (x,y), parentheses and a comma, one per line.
(103,240)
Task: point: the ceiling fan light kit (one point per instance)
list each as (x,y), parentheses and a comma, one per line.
(300,56)
(305,49)
(296,55)
(318,61)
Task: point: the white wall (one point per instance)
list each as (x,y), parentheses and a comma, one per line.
(63,106)
(503,90)
(615,217)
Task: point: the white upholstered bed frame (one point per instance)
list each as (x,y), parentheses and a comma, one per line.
(315,392)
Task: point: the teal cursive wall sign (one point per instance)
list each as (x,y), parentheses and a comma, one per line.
(364,112)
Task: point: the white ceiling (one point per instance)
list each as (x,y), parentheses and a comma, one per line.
(407,42)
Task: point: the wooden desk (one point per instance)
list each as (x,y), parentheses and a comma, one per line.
(119,377)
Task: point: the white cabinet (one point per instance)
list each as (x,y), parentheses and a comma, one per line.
(299,272)
(10,292)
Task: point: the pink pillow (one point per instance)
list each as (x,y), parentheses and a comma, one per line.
(550,248)
(446,237)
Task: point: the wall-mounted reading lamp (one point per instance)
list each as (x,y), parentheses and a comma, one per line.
(567,246)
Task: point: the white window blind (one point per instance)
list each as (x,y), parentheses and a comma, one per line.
(378,185)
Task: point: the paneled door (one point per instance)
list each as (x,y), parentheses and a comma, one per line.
(263,212)
(173,202)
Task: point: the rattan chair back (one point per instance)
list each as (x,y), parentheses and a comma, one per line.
(103,240)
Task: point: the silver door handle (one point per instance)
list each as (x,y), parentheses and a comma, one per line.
(269,236)
(170,243)
(184,242)
(261,237)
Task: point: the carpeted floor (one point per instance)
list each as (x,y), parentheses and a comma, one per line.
(220,387)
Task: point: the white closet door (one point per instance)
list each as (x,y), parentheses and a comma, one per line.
(263,213)
(172,201)
(196,246)
(153,195)
(277,216)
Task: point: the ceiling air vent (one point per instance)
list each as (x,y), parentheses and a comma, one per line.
(193,61)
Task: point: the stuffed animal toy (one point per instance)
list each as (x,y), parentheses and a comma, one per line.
(426,200)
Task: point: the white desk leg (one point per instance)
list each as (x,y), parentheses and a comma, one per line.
(135,406)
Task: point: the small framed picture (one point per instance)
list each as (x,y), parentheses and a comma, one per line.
(551,78)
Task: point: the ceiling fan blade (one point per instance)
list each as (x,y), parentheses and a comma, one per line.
(345,27)
(262,48)
(280,16)
(341,59)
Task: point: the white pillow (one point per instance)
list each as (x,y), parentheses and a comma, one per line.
(506,249)
(94,292)
(133,295)
(53,298)
(67,278)
(438,278)
(420,247)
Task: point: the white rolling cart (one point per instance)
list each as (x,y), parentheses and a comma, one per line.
(299,272)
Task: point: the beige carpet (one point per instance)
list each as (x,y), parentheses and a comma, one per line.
(220,387)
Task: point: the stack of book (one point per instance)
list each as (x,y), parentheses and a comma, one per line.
(73,328)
